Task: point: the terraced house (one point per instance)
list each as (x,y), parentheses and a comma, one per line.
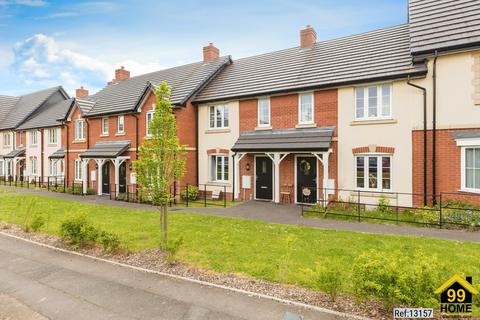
(391,110)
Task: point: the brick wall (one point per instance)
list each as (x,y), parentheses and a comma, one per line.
(448,165)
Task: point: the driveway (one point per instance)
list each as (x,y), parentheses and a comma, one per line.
(38,283)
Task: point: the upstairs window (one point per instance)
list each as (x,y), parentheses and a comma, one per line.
(148,119)
(219,168)
(218,117)
(373,172)
(6,139)
(105,126)
(305,114)
(33,137)
(52,136)
(373,103)
(20,137)
(264,112)
(121,124)
(80,130)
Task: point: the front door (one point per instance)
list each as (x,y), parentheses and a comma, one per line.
(264,179)
(306,179)
(122,175)
(106,178)
(21,168)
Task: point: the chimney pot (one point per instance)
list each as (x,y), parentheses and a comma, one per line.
(308,37)
(121,74)
(210,52)
(81,92)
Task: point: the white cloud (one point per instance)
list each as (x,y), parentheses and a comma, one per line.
(59,15)
(43,61)
(29,3)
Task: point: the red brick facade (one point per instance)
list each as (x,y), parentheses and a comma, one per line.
(284,115)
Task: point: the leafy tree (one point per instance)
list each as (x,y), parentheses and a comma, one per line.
(161,159)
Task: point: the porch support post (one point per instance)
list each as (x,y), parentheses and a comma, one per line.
(324,159)
(100,163)
(237,159)
(14,164)
(117,163)
(84,175)
(277,159)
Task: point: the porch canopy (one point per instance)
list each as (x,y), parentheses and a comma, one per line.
(277,144)
(102,152)
(59,154)
(14,157)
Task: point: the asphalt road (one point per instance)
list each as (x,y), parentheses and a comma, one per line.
(38,282)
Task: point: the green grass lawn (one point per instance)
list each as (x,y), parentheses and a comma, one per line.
(250,247)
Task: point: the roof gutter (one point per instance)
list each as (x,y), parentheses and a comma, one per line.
(424,90)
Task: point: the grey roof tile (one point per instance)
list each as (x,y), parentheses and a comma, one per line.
(369,56)
(15,153)
(313,139)
(107,149)
(59,154)
(184,81)
(443,24)
(6,105)
(48,115)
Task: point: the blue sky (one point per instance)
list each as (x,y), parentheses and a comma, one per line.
(45,43)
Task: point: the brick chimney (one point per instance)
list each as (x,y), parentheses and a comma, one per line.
(121,74)
(81,92)
(308,37)
(210,52)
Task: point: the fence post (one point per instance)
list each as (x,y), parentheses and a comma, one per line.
(396,207)
(175,192)
(358,205)
(205,195)
(440,212)
(48,183)
(16,180)
(224,196)
(186,197)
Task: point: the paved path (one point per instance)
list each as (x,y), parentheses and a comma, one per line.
(279,213)
(40,282)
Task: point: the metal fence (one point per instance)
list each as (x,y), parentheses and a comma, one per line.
(452,210)
(55,184)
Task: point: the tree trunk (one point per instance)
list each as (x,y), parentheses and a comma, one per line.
(161,227)
(165,224)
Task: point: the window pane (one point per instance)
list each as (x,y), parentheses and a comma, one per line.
(212,168)
(372,102)
(219,116)
(360,172)
(219,168)
(263,112)
(477,158)
(225,160)
(477,179)
(386,173)
(360,103)
(469,178)
(225,116)
(306,108)
(212,117)
(372,172)
(469,158)
(386,100)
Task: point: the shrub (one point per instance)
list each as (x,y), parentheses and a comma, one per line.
(172,248)
(36,223)
(78,230)
(384,205)
(109,241)
(397,279)
(328,279)
(427,215)
(191,192)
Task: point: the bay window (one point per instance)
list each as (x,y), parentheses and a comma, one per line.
(373,102)
(373,172)
(219,168)
(264,112)
(218,116)
(305,113)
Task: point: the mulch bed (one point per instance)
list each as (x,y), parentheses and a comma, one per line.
(157,260)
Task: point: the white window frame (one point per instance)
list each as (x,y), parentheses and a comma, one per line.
(20,133)
(53,168)
(105,121)
(7,141)
(33,138)
(213,172)
(224,116)
(259,112)
(78,170)
(34,166)
(300,95)
(2,167)
(147,122)
(121,124)
(79,134)
(379,108)
(53,136)
(379,157)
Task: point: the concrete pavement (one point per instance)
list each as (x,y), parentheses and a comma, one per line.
(58,285)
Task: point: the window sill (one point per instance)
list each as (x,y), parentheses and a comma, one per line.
(119,134)
(218,184)
(263,128)
(226,130)
(374,193)
(469,191)
(306,125)
(372,122)
(104,135)
(53,145)
(79,141)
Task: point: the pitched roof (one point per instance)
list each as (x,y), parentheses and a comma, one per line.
(364,57)
(185,81)
(15,153)
(443,24)
(59,154)
(48,115)
(107,149)
(6,105)
(25,106)
(312,139)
